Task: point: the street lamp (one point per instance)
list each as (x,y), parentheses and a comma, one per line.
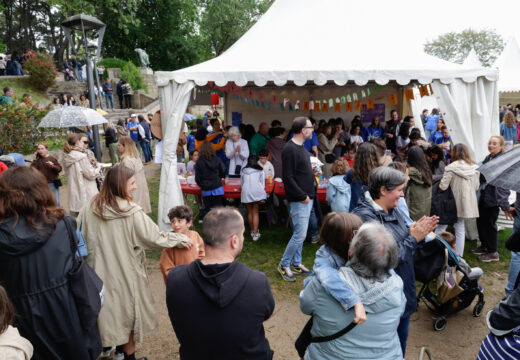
(92,48)
(87,24)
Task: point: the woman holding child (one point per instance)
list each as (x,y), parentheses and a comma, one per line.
(117,232)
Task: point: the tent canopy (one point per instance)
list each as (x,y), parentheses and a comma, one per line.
(508,65)
(302,42)
(472,61)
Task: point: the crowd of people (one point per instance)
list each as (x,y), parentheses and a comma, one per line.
(382,183)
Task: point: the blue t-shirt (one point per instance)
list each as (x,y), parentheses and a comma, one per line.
(436,138)
(190,142)
(509,133)
(431,122)
(375,133)
(133,133)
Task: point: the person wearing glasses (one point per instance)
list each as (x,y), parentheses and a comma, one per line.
(81,175)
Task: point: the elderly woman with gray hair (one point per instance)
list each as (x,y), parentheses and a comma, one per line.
(373,254)
(380,205)
(237,151)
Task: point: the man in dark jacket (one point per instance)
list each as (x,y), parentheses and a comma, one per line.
(145,141)
(390,131)
(299,182)
(111,143)
(380,205)
(217,305)
(119,91)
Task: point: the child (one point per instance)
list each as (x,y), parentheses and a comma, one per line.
(181,218)
(472,273)
(194,156)
(338,190)
(265,164)
(253,191)
(12,345)
(350,154)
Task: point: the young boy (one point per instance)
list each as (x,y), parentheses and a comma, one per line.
(265,164)
(181,218)
(350,154)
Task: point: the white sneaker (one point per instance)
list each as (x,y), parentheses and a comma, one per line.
(256,236)
(105,354)
(118,356)
(252,234)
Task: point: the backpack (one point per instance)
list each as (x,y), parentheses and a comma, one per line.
(443,205)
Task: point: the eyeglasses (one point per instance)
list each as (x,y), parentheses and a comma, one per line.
(309,127)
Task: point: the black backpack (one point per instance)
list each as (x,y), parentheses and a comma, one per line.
(443,205)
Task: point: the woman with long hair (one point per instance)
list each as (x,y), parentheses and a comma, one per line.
(436,135)
(253,191)
(462,177)
(209,171)
(437,162)
(508,130)
(325,147)
(491,200)
(366,160)
(117,232)
(36,258)
(130,158)
(50,168)
(403,139)
(375,130)
(81,175)
(419,189)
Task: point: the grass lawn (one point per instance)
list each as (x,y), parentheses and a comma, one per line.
(265,254)
(21,86)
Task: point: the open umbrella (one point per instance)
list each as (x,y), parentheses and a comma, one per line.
(70,116)
(503,171)
(188,117)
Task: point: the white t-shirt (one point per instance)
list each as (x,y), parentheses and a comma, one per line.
(400,143)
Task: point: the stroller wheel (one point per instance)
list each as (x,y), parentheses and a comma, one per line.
(477,310)
(440,323)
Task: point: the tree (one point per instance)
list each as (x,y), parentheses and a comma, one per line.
(222,23)
(455,47)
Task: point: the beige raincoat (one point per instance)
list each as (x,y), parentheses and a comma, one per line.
(81,179)
(141,195)
(464,181)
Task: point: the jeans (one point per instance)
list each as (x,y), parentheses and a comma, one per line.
(56,192)
(111,98)
(313,224)
(460,235)
(300,214)
(514,266)
(402,332)
(145,145)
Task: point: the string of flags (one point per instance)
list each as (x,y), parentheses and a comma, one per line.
(348,103)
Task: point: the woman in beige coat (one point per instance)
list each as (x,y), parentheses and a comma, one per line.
(81,173)
(325,147)
(462,177)
(117,232)
(130,158)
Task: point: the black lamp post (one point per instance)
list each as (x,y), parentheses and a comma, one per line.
(86,24)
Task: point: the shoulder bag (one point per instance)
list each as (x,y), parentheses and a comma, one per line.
(86,286)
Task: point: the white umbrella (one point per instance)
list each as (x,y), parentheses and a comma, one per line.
(70,116)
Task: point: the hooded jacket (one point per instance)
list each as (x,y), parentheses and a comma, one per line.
(34,270)
(369,211)
(13,346)
(209,173)
(338,194)
(418,197)
(223,304)
(116,251)
(253,185)
(463,179)
(81,179)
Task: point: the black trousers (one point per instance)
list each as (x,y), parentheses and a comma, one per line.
(128,101)
(120,98)
(487,227)
(211,202)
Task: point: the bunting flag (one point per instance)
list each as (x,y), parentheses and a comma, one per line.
(370,103)
(306,106)
(325,107)
(431,89)
(311,105)
(286,102)
(215,99)
(409,95)
(297,105)
(354,96)
(250,94)
(274,99)
(348,107)
(358,105)
(337,107)
(282,107)
(261,97)
(423,90)
(349,98)
(392,99)
(317,106)
(363,94)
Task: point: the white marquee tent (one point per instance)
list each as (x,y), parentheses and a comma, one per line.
(508,63)
(472,61)
(303,43)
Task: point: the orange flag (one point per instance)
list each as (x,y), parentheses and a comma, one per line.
(348,107)
(316,106)
(423,90)
(357,105)
(431,89)
(305,106)
(324,107)
(337,107)
(409,94)
(392,99)
(370,103)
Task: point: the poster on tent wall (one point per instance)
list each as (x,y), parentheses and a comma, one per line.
(236,118)
(368,115)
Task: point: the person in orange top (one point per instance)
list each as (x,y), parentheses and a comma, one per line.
(202,135)
(181,218)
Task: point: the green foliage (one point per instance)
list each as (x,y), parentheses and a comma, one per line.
(455,47)
(132,74)
(3,48)
(42,70)
(19,127)
(112,63)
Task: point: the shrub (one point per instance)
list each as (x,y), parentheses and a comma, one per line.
(112,63)
(42,69)
(19,124)
(132,74)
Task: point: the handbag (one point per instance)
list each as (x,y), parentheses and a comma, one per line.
(448,282)
(305,338)
(85,285)
(238,168)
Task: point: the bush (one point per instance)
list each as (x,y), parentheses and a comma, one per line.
(132,74)
(112,63)
(19,124)
(42,69)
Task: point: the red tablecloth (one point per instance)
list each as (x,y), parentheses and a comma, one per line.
(230,191)
(279,190)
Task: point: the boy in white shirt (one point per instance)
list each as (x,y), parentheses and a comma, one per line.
(265,164)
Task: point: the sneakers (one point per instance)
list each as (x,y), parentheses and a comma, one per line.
(300,269)
(286,273)
(252,234)
(489,257)
(256,236)
(107,351)
(479,251)
(315,239)
(118,356)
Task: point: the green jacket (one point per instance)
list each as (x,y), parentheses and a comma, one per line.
(257,143)
(418,197)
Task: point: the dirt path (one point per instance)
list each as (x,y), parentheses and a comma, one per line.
(460,340)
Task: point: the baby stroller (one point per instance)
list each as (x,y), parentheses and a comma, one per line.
(433,259)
